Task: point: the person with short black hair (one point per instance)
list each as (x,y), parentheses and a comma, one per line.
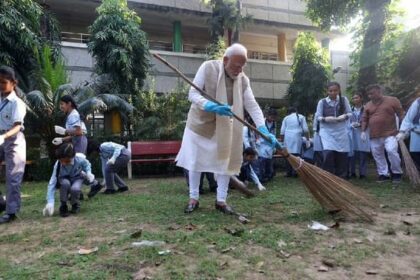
(12,142)
(75,128)
(69,173)
(379,117)
(247,173)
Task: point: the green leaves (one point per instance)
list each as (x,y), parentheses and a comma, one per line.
(310,74)
(119,46)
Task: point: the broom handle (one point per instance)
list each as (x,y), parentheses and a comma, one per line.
(204,94)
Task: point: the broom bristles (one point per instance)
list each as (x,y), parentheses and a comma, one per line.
(332,192)
(410,166)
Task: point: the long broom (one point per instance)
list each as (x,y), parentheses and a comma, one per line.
(333,193)
(410,166)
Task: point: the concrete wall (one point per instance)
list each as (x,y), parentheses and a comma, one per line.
(342,59)
(269,79)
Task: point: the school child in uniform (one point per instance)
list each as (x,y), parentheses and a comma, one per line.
(69,173)
(12,142)
(411,125)
(75,128)
(247,173)
(293,130)
(114,158)
(361,149)
(333,112)
(317,144)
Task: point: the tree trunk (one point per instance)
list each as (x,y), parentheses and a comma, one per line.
(376,14)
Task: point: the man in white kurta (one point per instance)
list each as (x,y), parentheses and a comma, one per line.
(212,140)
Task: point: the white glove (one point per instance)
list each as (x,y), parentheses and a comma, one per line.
(341,118)
(57,141)
(330,119)
(320,119)
(355,124)
(90,177)
(1,139)
(48,209)
(260,187)
(59,130)
(363,136)
(111,161)
(400,136)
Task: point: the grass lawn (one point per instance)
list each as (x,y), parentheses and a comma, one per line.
(276,244)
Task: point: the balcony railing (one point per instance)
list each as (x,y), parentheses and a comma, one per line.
(82,38)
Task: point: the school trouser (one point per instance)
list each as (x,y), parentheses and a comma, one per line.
(361,158)
(222,185)
(73,187)
(289,169)
(80,144)
(265,169)
(110,170)
(416,158)
(335,162)
(13,153)
(318,158)
(378,147)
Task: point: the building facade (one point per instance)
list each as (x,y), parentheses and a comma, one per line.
(178,31)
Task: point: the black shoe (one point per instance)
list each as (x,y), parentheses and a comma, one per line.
(75,208)
(94,189)
(225,209)
(191,207)
(7,218)
(64,210)
(2,205)
(382,178)
(353,175)
(396,178)
(362,177)
(109,191)
(123,189)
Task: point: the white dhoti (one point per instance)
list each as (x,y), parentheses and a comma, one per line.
(199,154)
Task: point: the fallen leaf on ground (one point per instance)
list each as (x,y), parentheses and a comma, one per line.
(284,254)
(259,265)
(357,241)
(142,274)
(228,249)
(136,234)
(406,222)
(383,205)
(323,268)
(317,226)
(371,272)
(84,251)
(329,263)
(148,243)
(335,225)
(190,227)
(390,231)
(235,232)
(120,220)
(174,227)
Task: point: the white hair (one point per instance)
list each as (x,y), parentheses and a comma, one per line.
(236,49)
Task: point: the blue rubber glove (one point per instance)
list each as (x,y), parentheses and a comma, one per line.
(223,110)
(273,140)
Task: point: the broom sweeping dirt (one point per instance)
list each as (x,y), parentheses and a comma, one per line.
(333,193)
(410,166)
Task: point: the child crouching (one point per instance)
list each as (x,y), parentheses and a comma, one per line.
(69,173)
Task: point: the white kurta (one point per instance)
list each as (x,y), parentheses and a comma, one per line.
(293,130)
(409,124)
(199,153)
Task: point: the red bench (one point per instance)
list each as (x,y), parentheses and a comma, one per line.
(152,152)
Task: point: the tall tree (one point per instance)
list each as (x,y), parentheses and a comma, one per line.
(226,16)
(22,37)
(119,46)
(374,14)
(310,74)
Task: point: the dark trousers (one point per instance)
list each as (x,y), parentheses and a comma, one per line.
(335,163)
(359,158)
(318,158)
(290,172)
(416,158)
(265,169)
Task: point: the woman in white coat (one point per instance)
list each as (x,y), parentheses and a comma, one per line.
(411,125)
(292,132)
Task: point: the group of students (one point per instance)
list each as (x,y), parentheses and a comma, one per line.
(70,171)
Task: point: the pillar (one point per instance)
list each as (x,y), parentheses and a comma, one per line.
(177,37)
(325,43)
(281,47)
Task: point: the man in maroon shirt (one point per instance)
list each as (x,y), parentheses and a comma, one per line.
(380,117)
